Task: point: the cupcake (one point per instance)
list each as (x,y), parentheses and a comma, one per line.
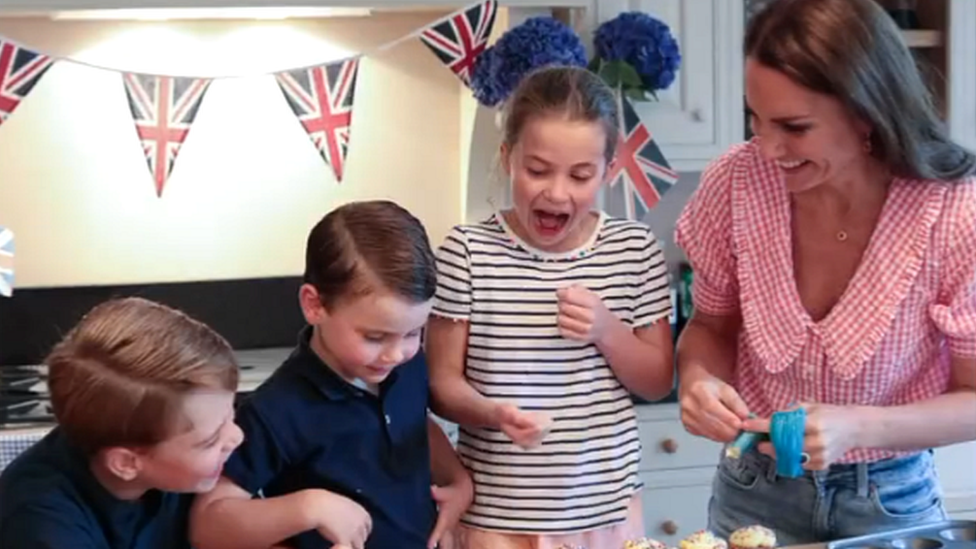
(703,539)
(753,537)
(644,543)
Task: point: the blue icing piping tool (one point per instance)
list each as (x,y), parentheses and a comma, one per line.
(786,430)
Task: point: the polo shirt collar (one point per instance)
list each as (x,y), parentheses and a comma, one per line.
(309,365)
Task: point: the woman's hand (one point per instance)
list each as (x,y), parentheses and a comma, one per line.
(711,408)
(831,431)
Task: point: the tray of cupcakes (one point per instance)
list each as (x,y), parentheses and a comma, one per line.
(750,537)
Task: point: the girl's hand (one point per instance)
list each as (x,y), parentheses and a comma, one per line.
(526,429)
(831,431)
(452,502)
(711,408)
(582,315)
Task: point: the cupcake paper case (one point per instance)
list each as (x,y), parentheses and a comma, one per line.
(753,537)
(703,539)
(644,543)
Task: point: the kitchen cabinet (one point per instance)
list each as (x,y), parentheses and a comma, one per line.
(700,115)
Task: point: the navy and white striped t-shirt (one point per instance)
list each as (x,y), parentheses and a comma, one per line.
(586,471)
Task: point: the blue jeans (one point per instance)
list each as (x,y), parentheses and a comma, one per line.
(845,501)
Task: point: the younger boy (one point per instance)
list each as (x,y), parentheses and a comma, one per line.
(338,440)
(143,396)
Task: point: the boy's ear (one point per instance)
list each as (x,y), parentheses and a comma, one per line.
(122,462)
(312,308)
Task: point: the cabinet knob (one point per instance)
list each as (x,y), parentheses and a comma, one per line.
(669,445)
(669,527)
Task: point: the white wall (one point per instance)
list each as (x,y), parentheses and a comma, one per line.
(248,184)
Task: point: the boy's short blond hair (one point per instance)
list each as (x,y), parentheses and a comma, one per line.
(120,375)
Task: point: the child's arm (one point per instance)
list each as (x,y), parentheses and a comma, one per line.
(641,352)
(454,399)
(227,517)
(454,490)
(642,359)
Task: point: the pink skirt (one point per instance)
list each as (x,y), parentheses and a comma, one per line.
(467,537)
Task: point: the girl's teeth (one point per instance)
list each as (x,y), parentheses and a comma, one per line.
(790,165)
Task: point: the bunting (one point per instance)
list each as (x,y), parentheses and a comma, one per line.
(20,69)
(322,100)
(458,40)
(6,262)
(163,109)
(640,174)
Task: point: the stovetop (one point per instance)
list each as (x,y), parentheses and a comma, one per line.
(24,397)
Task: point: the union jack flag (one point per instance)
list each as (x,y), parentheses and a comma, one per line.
(640,171)
(322,99)
(459,39)
(163,108)
(20,70)
(6,262)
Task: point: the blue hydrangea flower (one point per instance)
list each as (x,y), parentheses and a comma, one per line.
(538,42)
(643,42)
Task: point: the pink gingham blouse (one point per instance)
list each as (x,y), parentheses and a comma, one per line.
(910,305)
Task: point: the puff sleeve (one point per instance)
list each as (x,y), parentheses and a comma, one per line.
(954,311)
(704,233)
(453,296)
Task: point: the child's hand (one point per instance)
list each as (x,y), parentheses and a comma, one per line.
(452,501)
(526,429)
(582,314)
(339,519)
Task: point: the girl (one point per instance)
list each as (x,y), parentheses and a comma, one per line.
(546,317)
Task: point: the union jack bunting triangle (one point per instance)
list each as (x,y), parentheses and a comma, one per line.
(322,100)
(163,108)
(6,262)
(459,39)
(640,174)
(20,71)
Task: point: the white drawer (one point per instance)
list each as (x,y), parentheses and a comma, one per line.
(668,446)
(680,511)
(957,468)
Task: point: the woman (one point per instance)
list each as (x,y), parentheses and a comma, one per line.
(835,267)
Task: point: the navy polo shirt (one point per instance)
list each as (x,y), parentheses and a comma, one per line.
(49,499)
(305,427)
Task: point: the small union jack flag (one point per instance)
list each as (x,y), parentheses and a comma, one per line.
(640,170)
(20,70)
(6,262)
(322,100)
(163,108)
(460,38)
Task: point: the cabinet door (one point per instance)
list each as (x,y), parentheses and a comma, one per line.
(961,60)
(700,115)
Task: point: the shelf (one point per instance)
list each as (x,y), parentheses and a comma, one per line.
(922,38)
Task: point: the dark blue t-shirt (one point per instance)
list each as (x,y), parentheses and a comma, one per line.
(49,499)
(305,427)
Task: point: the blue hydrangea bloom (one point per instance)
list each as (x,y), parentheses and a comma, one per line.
(538,42)
(643,42)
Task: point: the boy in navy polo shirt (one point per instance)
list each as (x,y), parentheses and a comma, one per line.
(143,396)
(338,440)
